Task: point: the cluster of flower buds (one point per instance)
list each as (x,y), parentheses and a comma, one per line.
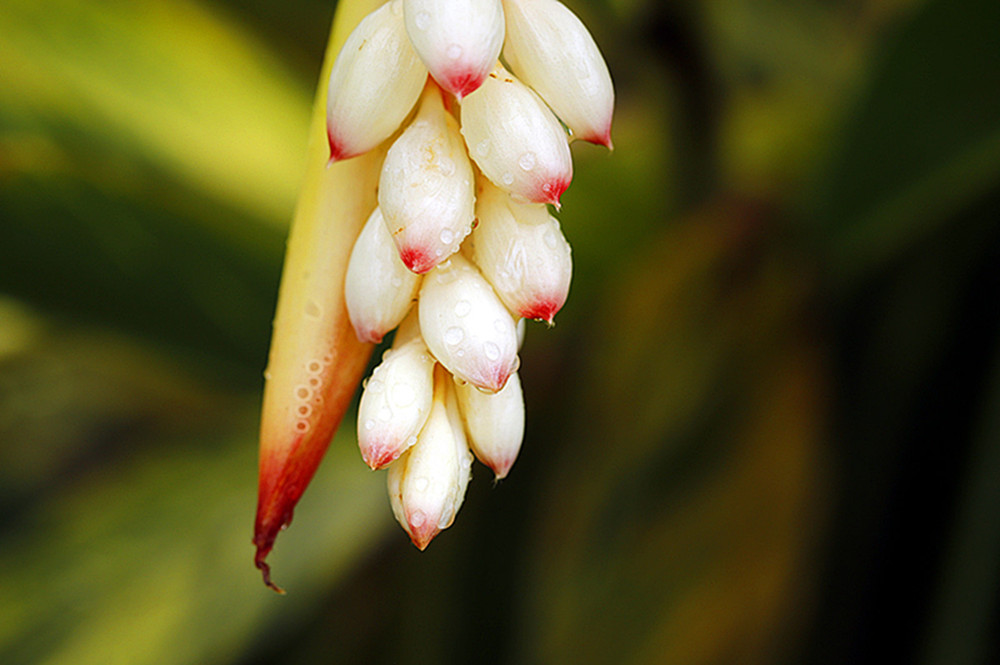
(461,247)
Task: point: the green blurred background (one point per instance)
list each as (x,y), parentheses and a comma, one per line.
(765,430)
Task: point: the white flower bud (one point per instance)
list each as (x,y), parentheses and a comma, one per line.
(427,484)
(378,288)
(551,50)
(426,191)
(458,40)
(395,403)
(374,83)
(466,326)
(516,140)
(520,249)
(494,423)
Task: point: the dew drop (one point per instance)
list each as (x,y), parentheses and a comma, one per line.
(492,351)
(302,426)
(303,392)
(314,366)
(507,179)
(403,395)
(374,386)
(527,161)
(267,375)
(453,335)
(462,308)
(421,484)
(454,51)
(499,325)
(460,353)
(412,440)
(305,410)
(369,424)
(384,414)
(417,519)
(483,148)
(422,20)
(446,519)
(447,236)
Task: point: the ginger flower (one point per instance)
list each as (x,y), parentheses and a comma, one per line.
(426,210)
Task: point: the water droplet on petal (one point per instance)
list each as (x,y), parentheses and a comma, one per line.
(421,484)
(527,161)
(499,325)
(454,335)
(462,308)
(422,20)
(369,424)
(492,351)
(507,179)
(385,414)
(454,51)
(483,148)
(447,236)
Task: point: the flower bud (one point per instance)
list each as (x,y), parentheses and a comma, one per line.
(395,403)
(427,484)
(521,251)
(466,326)
(458,40)
(426,190)
(516,140)
(494,423)
(374,83)
(552,51)
(378,288)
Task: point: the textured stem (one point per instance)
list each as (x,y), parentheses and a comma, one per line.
(315,361)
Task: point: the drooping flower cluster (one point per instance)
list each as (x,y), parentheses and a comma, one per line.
(461,247)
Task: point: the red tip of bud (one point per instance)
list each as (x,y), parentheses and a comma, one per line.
(422,529)
(368,335)
(551,190)
(337,149)
(600,139)
(544,310)
(378,457)
(462,82)
(417,259)
(500,468)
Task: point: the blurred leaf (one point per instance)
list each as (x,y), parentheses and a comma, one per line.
(924,142)
(171,84)
(149,157)
(149,561)
(670,534)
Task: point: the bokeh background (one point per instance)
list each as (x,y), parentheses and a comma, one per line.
(766,428)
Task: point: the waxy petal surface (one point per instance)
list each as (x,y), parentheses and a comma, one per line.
(458,40)
(374,83)
(379,288)
(515,140)
(529,264)
(427,484)
(551,50)
(466,326)
(494,423)
(427,189)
